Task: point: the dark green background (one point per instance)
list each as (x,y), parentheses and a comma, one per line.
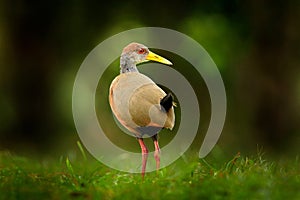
(255,44)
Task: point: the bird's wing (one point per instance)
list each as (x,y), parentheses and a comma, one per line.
(145,108)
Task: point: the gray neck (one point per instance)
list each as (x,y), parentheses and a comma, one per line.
(127,65)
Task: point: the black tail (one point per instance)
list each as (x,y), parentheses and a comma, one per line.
(167,102)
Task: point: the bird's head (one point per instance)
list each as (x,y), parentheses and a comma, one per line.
(138,53)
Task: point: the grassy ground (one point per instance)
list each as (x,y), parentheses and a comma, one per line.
(239,178)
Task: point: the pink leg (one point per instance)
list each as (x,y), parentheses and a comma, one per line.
(144,155)
(157,151)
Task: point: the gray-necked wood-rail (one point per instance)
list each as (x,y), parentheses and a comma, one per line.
(138,103)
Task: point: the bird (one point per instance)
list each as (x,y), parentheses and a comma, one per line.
(139,104)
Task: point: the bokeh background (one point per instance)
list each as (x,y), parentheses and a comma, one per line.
(255,44)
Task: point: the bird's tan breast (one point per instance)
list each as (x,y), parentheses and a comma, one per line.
(135,101)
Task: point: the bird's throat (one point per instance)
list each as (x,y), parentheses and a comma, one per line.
(126,65)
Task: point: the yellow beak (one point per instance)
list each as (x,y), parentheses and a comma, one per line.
(154,57)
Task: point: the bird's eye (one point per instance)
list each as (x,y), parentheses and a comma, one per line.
(141,51)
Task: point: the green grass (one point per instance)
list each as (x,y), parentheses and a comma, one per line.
(84,178)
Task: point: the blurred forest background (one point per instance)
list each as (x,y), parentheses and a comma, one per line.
(255,44)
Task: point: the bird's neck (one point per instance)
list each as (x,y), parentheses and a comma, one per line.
(127,65)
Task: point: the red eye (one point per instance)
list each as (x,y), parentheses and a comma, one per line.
(141,51)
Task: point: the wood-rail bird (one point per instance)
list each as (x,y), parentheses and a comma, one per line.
(138,103)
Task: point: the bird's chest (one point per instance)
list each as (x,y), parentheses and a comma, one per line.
(132,97)
(124,87)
